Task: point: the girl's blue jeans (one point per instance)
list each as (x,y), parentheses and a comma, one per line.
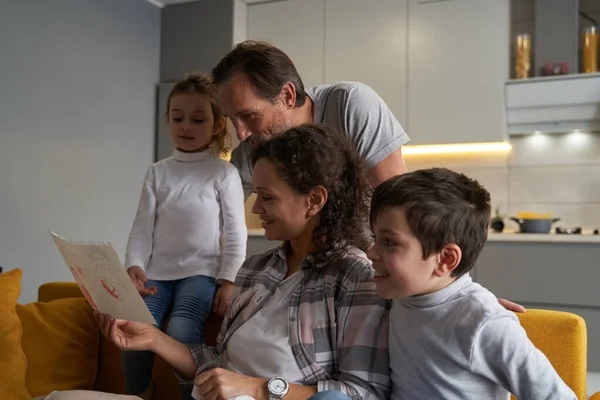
(191,302)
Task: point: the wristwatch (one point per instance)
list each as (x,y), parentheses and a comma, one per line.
(277,388)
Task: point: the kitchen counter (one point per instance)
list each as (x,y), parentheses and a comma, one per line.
(586,236)
(256,232)
(509,236)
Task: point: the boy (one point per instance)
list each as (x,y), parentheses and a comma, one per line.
(449,337)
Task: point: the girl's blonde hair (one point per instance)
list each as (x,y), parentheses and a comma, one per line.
(200,83)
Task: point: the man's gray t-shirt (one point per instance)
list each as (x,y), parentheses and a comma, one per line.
(351,108)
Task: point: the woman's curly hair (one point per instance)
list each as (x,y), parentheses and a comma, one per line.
(314,155)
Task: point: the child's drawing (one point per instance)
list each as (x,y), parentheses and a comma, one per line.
(98,271)
(101,267)
(79,276)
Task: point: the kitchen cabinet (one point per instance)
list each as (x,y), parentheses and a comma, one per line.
(458,63)
(365,41)
(185,30)
(440,65)
(296,27)
(164,143)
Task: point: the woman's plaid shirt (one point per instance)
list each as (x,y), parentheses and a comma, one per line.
(338,325)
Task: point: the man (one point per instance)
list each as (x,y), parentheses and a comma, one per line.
(262,93)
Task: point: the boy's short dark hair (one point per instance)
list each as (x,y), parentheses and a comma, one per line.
(442,207)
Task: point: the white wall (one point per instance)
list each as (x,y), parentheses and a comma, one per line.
(77,112)
(240,21)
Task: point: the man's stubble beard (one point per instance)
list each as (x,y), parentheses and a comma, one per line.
(279,126)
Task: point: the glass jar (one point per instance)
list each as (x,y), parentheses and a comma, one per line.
(522,56)
(590,50)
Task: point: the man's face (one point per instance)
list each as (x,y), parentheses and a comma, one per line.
(254,119)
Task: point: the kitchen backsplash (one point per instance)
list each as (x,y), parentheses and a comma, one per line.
(558,174)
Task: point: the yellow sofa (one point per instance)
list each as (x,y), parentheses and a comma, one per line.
(55,344)
(562,337)
(109,376)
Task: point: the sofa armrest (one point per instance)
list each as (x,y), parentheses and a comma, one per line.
(58,290)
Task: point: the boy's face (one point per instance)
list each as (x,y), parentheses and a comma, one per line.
(397,255)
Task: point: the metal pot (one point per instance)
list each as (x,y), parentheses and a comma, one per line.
(542,225)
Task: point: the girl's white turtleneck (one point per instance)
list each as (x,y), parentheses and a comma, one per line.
(190,202)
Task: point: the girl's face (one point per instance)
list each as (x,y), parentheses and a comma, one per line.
(192,122)
(283,212)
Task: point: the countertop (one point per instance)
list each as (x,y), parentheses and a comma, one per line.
(509,235)
(256,232)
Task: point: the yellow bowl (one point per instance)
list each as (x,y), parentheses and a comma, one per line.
(532,215)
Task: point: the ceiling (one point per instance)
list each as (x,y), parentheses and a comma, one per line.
(162,3)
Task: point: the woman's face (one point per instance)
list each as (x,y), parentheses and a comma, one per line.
(283,212)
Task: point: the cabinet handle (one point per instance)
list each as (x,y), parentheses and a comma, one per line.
(431,1)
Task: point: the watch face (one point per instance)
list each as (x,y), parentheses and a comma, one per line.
(278,386)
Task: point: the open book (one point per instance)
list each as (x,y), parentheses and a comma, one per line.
(103,280)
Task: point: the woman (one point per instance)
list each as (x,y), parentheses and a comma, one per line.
(306,311)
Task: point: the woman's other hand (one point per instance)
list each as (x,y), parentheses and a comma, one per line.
(219,383)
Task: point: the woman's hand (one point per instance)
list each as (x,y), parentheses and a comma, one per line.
(510,306)
(139,279)
(127,335)
(219,383)
(222,298)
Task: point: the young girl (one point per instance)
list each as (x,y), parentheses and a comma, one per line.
(189,236)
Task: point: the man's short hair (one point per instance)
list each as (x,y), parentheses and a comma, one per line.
(267,67)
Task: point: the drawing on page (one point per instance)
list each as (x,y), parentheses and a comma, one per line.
(101,264)
(102,279)
(79,276)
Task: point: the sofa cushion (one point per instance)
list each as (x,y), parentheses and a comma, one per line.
(60,340)
(58,290)
(13,363)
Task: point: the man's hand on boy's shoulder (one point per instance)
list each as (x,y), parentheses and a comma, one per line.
(511,306)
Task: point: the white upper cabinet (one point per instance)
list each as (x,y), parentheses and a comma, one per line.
(458,63)
(296,27)
(440,65)
(365,41)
